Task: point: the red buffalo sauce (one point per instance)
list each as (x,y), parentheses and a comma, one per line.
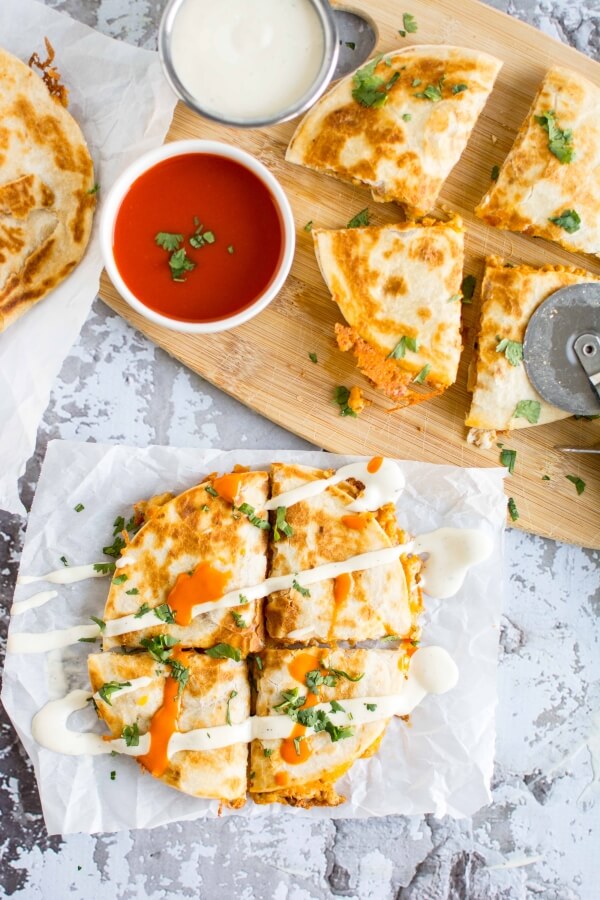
(228,200)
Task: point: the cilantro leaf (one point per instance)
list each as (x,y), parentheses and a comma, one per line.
(569,221)
(79,508)
(238,619)
(513,350)
(495,173)
(132,591)
(399,351)
(308,226)
(432,92)
(560,142)
(371,706)
(179,264)
(143,609)
(281,525)
(104,568)
(230,698)
(111,687)
(512,508)
(301,590)
(99,622)
(180,673)
(168,241)
(131,735)
(578,482)
(159,647)
(336,707)
(120,579)
(409,24)
(164,613)
(253,518)
(224,651)
(360,219)
(508,458)
(528,409)
(467,288)
(341,396)
(420,378)
(371,89)
(459,88)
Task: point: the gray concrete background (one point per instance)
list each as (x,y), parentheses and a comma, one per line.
(539,838)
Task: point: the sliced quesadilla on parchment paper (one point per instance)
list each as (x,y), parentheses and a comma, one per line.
(400,124)
(398,287)
(503,397)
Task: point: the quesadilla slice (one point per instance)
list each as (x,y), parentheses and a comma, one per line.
(47,195)
(191,550)
(503,397)
(301,769)
(154,702)
(354,606)
(398,287)
(549,184)
(400,124)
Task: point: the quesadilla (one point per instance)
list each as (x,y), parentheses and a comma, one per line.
(549,184)
(192,550)
(302,770)
(503,397)
(136,694)
(400,124)
(399,288)
(356,606)
(47,195)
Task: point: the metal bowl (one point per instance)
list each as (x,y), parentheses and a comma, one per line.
(330,57)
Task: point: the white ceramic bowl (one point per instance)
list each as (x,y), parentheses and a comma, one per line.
(117,193)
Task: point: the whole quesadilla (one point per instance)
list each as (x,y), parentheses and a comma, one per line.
(503,397)
(549,184)
(47,193)
(399,289)
(191,550)
(169,694)
(302,770)
(357,606)
(400,124)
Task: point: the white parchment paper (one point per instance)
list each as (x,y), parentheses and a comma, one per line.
(124,106)
(441,762)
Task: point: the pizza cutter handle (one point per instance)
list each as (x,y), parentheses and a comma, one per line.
(587,350)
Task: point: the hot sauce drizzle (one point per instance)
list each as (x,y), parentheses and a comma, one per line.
(228,486)
(300,666)
(206,583)
(341,589)
(163,725)
(374,464)
(357,522)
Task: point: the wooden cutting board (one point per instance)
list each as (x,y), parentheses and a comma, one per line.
(265,363)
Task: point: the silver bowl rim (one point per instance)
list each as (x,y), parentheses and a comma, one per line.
(318,87)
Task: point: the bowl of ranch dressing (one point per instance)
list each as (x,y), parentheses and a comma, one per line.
(248,63)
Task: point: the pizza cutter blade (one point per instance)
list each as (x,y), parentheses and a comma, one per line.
(561,349)
(357,35)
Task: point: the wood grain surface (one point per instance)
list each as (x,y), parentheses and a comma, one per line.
(265,363)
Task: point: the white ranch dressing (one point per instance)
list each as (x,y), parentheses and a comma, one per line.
(43,641)
(431,671)
(21,606)
(247,59)
(66,575)
(383,486)
(452,552)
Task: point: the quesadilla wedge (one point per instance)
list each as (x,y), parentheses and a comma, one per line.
(503,397)
(398,287)
(193,549)
(400,124)
(549,184)
(47,196)
(135,694)
(359,606)
(301,770)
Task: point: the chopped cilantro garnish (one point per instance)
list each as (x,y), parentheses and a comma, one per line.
(495,173)
(468,288)
(315,678)
(371,89)
(86,640)
(210,490)
(578,482)
(253,518)
(459,88)
(371,706)
(120,579)
(131,735)
(416,82)
(508,458)
(409,25)
(95,189)
(179,264)
(341,396)
(512,508)
(243,598)
(336,707)
(399,351)
(569,221)
(528,409)
(224,651)
(513,350)
(164,613)
(231,696)
(422,375)
(313,357)
(301,590)
(111,687)
(159,647)
(104,568)
(144,608)
(238,619)
(560,142)
(79,508)
(180,673)
(406,117)
(350,44)
(291,701)
(169,242)
(281,525)
(341,674)
(454,298)
(267,752)
(99,622)
(200,237)
(63,560)
(545,478)
(132,591)
(432,92)
(297,742)
(113,775)
(259,663)
(360,219)
(308,226)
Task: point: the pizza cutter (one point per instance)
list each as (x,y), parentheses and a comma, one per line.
(561,351)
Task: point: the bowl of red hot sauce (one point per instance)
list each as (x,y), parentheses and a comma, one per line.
(197,236)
